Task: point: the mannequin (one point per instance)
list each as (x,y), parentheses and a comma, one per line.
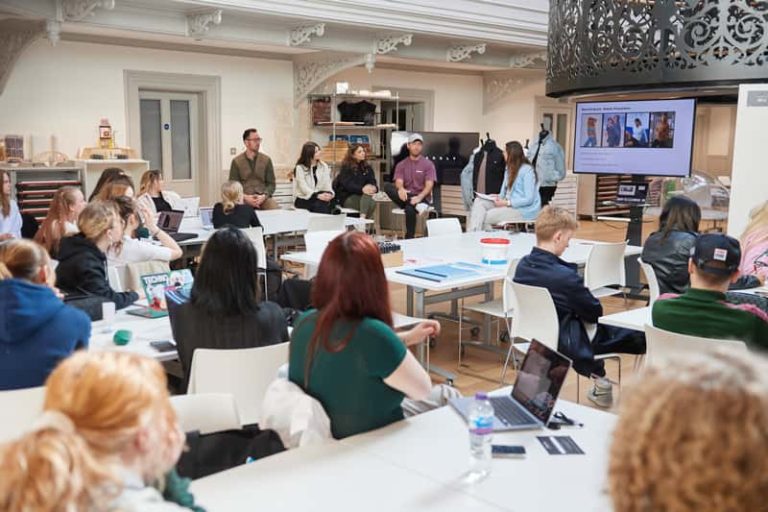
(548,159)
(489,161)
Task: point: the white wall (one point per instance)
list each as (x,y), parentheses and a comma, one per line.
(64,91)
(514,117)
(749,180)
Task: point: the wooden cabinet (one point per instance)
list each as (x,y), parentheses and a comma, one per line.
(35,186)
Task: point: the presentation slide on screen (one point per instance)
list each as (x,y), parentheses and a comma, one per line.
(653,138)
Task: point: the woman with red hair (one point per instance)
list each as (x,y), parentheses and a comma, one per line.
(345,353)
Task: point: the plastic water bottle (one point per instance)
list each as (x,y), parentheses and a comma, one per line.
(480,437)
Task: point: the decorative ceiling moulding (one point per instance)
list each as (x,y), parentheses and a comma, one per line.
(389,43)
(526,60)
(303,34)
(500,85)
(598,46)
(311,70)
(15,36)
(463,52)
(199,24)
(78,10)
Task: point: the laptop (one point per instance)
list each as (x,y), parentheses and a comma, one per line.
(534,395)
(206,217)
(158,287)
(632,194)
(170,222)
(190,206)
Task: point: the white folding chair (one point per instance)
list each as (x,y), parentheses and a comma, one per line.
(256,235)
(604,268)
(245,373)
(662,345)
(22,407)
(653,281)
(501,309)
(444,226)
(206,412)
(326,223)
(315,243)
(535,318)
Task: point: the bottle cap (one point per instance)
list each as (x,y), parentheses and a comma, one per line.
(481,395)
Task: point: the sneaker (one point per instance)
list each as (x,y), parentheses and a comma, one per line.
(601,393)
(422,207)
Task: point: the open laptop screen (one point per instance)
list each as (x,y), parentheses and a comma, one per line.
(170,221)
(540,379)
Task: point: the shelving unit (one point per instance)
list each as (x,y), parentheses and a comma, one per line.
(594,190)
(35,186)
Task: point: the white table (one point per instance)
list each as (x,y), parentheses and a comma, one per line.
(144,331)
(419,464)
(330,476)
(634,319)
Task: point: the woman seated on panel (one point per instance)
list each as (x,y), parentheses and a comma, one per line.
(232,211)
(312,177)
(225,310)
(345,353)
(669,249)
(10,217)
(133,249)
(66,205)
(154,197)
(38,329)
(82,269)
(754,243)
(691,436)
(120,186)
(107,436)
(518,199)
(356,185)
(106,177)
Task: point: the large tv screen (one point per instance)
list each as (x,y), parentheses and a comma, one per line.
(449,151)
(652,138)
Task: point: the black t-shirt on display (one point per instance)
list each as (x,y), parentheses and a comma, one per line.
(360,112)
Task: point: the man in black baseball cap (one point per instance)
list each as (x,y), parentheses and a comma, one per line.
(703,310)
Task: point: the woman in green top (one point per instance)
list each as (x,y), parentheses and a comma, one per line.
(345,353)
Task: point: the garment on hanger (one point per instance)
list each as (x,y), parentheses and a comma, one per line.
(548,159)
(489,161)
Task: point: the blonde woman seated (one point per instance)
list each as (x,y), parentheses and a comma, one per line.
(107,436)
(132,248)
(692,436)
(119,186)
(232,211)
(154,197)
(518,199)
(312,176)
(66,205)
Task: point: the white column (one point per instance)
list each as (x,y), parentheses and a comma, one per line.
(749,180)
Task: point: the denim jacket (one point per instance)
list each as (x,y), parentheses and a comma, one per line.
(524,193)
(550,164)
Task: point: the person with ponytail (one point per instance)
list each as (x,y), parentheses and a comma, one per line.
(232,211)
(346,354)
(66,205)
(37,330)
(82,269)
(519,198)
(10,217)
(107,436)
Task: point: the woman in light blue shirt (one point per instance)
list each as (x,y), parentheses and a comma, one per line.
(519,197)
(10,217)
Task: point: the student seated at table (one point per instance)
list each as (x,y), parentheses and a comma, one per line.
(38,329)
(669,249)
(131,248)
(754,243)
(356,185)
(703,309)
(107,435)
(232,211)
(225,310)
(415,177)
(120,186)
(10,217)
(691,436)
(345,353)
(312,176)
(106,177)
(519,198)
(154,197)
(61,220)
(577,309)
(82,269)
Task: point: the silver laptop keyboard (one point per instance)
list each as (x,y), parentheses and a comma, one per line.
(508,412)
